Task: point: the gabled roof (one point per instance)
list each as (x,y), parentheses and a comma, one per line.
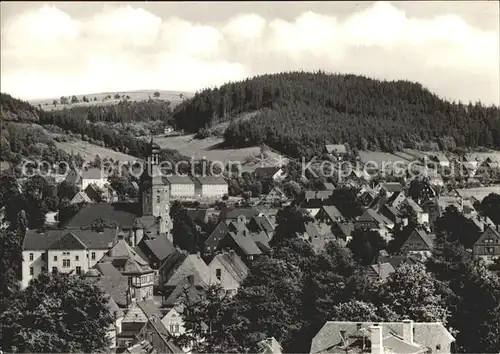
(174,294)
(488,232)
(211,180)
(121,214)
(372,215)
(329,186)
(185,266)
(426,334)
(423,235)
(234,265)
(93,173)
(337,148)
(68,242)
(233,213)
(160,246)
(91,239)
(164,335)
(245,242)
(81,197)
(175,179)
(122,256)
(333,212)
(73,177)
(149,308)
(413,205)
(383,270)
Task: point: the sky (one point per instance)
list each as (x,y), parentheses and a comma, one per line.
(74,48)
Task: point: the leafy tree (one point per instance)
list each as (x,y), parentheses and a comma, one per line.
(365,245)
(10,261)
(117,96)
(64,100)
(57,313)
(490,207)
(203,318)
(360,311)
(156,94)
(40,197)
(184,231)
(74,99)
(290,222)
(55,102)
(66,190)
(474,301)
(412,292)
(453,226)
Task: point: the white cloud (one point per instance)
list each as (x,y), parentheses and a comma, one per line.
(46,52)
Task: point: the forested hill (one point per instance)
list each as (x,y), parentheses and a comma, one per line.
(301,111)
(93,123)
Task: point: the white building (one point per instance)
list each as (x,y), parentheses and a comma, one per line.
(94,176)
(180,186)
(71,250)
(211,187)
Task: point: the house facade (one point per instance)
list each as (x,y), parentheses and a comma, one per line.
(180,186)
(94,176)
(487,246)
(63,251)
(211,187)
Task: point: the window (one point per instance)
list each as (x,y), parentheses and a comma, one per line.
(77,258)
(43,269)
(55,258)
(32,271)
(176,328)
(79,270)
(158,199)
(65,253)
(66,263)
(54,269)
(93,256)
(31,256)
(218,273)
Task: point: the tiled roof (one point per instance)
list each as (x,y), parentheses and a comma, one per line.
(392,187)
(235,212)
(245,243)
(427,334)
(185,266)
(211,180)
(412,204)
(234,265)
(90,238)
(67,242)
(174,294)
(160,246)
(372,215)
(116,287)
(333,212)
(94,173)
(266,171)
(122,256)
(81,197)
(383,269)
(121,214)
(149,308)
(175,179)
(165,335)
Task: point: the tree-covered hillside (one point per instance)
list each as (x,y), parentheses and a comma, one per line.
(301,111)
(93,122)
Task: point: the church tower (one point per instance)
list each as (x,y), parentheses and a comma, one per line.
(154,195)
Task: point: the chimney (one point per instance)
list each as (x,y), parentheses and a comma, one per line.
(343,337)
(376,339)
(408,331)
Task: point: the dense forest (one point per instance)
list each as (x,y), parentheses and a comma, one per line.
(301,111)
